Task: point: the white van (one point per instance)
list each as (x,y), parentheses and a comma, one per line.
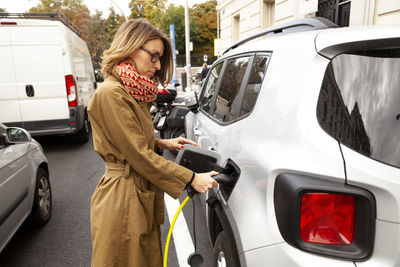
(46,75)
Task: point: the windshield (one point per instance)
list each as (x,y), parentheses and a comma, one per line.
(359,103)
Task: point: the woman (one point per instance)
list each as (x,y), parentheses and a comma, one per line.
(127,206)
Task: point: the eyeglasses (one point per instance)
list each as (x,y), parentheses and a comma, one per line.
(154,56)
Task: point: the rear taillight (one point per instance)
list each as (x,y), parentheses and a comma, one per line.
(327,218)
(71,91)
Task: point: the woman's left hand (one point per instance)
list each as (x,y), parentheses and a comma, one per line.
(176,143)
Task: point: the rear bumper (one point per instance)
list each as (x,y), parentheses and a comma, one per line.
(66,126)
(386,253)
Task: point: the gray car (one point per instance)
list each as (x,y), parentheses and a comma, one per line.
(25,192)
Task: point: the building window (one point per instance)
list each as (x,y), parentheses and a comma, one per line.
(268,13)
(235,28)
(337,11)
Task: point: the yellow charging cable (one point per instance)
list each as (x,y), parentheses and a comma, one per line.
(170,231)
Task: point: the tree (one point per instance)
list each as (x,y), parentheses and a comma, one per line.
(176,15)
(113,22)
(82,20)
(2,10)
(137,8)
(46,6)
(148,9)
(101,38)
(205,15)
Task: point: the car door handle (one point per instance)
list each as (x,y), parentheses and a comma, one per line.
(29,90)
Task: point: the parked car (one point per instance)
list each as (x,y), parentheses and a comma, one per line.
(25,191)
(304,117)
(47,77)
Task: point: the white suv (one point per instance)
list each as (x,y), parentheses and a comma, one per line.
(305,118)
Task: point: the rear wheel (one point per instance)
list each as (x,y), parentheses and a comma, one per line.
(42,202)
(223,252)
(174,133)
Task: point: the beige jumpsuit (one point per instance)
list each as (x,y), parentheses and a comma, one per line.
(127,206)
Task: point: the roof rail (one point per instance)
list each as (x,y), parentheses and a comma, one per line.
(58,15)
(299,25)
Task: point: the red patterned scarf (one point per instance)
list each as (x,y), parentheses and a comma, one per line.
(140,87)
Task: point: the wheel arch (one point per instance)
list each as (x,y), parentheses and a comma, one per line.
(218,222)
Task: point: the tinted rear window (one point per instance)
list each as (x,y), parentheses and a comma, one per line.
(359,103)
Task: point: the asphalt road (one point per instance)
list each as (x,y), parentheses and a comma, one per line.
(75,170)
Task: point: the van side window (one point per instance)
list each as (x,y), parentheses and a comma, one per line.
(228,94)
(253,87)
(209,89)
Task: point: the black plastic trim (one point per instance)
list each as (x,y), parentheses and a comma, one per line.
(176,118)
(218,212)
(288,191)
(44,125)
(237,118)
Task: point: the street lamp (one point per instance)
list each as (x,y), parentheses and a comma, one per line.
(187,45)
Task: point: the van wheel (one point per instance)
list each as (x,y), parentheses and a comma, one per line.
(223,252)
(42,201)
(83,135)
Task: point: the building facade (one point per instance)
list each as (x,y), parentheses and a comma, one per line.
(240,18)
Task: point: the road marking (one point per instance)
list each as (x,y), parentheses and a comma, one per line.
(182,239)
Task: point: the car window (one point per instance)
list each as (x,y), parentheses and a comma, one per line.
(359,103)
(253,86)
(209,89)
(229,89)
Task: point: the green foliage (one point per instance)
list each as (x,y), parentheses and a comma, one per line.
(99,32)
(206,20)
(2,10)
(138,9)
(176,15)
(113,22)
(149,9)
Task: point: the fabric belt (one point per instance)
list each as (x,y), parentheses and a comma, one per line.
(115,168)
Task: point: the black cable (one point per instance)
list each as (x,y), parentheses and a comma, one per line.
(344,163)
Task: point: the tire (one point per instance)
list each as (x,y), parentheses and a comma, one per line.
(171,133)
(83,135)
(223,252)
(42,201)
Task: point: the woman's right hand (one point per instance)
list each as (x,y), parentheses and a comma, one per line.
(203,182)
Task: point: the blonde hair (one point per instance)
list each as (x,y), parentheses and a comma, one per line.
(132,35)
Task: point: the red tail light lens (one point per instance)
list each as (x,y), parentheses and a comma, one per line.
(71,91)
(327,218)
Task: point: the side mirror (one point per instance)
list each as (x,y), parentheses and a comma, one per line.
(191,101)
(16,135)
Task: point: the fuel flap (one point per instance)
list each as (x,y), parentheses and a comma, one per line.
(203,160)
